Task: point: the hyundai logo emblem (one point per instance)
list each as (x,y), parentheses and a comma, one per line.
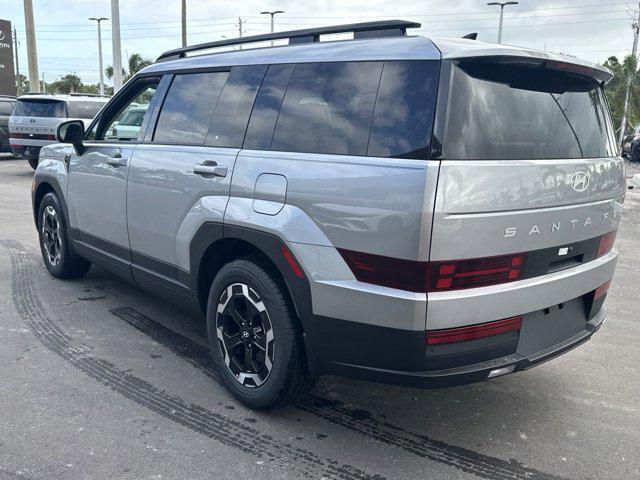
(579,181)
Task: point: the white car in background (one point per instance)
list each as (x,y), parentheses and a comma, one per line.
(128,127)
(35,118)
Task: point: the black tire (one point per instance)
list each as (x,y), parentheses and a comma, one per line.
(33,162)
(59,260)
(634,155)
(288,379)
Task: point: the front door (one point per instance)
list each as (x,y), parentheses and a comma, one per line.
(97,187)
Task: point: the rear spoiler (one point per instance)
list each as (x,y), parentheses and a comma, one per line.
(598,74)
(463,49)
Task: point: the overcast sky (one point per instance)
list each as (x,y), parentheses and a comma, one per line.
(67,40)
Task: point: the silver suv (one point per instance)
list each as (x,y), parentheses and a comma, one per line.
(36,116)
(424,212)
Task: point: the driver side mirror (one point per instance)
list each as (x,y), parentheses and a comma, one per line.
(72,132)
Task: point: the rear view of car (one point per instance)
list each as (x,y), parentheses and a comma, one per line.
(35,118)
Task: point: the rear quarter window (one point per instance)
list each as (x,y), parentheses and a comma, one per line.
(328,108)
(403,117)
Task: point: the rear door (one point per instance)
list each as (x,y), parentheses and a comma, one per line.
(181,176)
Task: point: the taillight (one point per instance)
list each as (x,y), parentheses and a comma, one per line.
(601,291)
(463,334)
(477,272)
(387,271)
(606,243)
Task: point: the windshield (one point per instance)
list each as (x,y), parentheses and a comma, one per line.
(40,108)
(84,109)
(508,113)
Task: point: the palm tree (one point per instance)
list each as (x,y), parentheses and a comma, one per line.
(616,88)
(135,63)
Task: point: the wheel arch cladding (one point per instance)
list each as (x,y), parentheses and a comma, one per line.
(211,249)
(42,187)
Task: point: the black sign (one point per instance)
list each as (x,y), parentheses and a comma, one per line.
(7,74)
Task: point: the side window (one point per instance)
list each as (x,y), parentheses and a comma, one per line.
(6,108)
(187,109)
(109,127)
(229,122)
(403,117)
(328,108)
(266,108)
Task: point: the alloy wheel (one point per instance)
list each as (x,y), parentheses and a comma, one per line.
(245,334)
(51,235)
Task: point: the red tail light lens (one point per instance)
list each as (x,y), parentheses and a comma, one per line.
(386,271)
(477,272)
(606,243)
(463,334)
(601,291)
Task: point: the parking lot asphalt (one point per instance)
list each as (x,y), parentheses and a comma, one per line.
(100,380)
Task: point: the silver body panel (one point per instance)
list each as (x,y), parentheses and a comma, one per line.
(163,193)
(316,204)
(98,192)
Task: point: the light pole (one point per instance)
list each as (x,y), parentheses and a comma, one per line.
(272,14)
(502,5)
(100,52)
(116,46)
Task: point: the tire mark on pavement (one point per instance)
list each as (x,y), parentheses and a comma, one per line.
(225,430)
(356,420)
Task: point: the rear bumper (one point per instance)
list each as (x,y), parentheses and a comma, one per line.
(24,151)
(468,373)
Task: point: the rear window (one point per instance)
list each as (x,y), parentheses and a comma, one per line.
(83,109)
(40,108)
(506,112)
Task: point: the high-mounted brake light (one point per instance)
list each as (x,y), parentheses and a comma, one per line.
(477,272)
(571,67)
(464,334)
(606,243)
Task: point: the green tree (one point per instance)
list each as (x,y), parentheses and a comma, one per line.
(70,83)
(22,84)
(135,63)
(615,90)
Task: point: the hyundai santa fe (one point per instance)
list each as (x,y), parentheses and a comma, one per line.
(393,208)
(35,117)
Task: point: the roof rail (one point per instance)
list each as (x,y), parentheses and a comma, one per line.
(75,94)
(382,28)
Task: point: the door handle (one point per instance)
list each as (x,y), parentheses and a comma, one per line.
(117,160)
(211,168)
